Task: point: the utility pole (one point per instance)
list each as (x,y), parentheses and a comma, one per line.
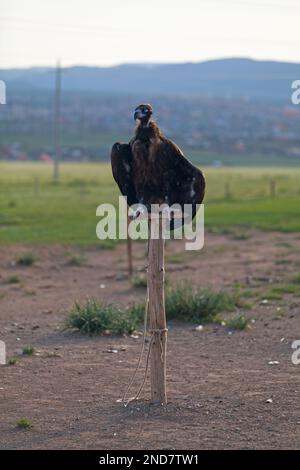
(57,127)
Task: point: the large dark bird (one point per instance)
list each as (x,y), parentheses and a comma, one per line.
(151,169)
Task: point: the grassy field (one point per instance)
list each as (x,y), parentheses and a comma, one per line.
(100,144)
(34,210)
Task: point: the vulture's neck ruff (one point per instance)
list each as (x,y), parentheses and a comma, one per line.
(147,132)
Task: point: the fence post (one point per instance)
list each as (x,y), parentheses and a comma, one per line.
(157,314)
(272,187)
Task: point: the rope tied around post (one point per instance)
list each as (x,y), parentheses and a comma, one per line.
(155,307)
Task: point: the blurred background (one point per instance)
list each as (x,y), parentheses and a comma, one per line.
(218,73)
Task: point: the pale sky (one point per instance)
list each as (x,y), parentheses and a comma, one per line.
(105,32)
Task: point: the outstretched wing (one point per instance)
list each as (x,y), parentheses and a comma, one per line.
(121,164)
(185,182)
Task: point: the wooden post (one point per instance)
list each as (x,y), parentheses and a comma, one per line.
(158,325)
(227,192)
(129,251)
(36,186)
(272,187)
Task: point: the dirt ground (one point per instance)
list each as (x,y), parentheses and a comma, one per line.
(223,391)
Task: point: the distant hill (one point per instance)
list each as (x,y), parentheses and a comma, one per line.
(263,80)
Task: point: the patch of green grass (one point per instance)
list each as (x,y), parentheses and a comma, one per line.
(93,317)
(284,244)
(272,294)
(296,279)
(12,361)
(286,289)
(27,259)
(176,258)
(24,423)
(139,281)
(14,279)
(240,236)
(75,259)
(282,261)
(249,293)
(239,322)
(28,350)
(183,302)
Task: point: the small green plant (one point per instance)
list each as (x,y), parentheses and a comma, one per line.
(296,279)
(12,361)
(28,350)
(238,322)
(13,279)
(272,294)
(185,303)
(176,258)
(286,289)
(28,259)
(24,423)
(75,260)
(240,236)
(282,261)
(94,317)
(139,281)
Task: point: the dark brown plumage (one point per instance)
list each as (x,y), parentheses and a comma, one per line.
(151,169)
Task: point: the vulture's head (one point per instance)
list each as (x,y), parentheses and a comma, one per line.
(143,113)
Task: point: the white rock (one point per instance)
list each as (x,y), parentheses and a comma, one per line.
(199,328)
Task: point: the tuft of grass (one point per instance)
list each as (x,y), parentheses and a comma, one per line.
(282,261)
(139,281)
(94,317)
(182,302)
(296,279)
(238,322)
(185,303)
(75,260)
(24,423)
(240,236)
(28,259)
(272,294)
(13,279)
(28,350)
(176,258)
(286,289)
(12,361)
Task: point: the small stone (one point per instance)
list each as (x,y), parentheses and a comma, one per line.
(199,328)
(269,400)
